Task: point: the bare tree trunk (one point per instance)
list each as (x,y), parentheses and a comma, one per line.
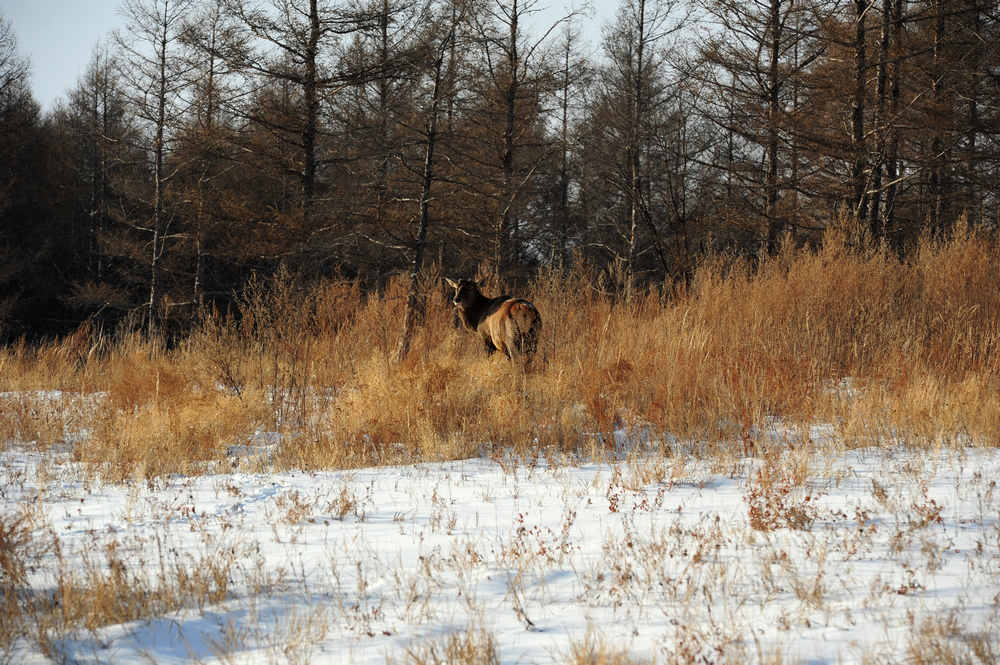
(858,175)
(564,155)
(892,158)
(775,225)
(452,75)
(382,185)
(937,142)
(148,61)
(311,94)
(973,120)
(635,140)
(100,131)
(505,224)
(158,177)
(427,182)
(730,154)
(207,126)
(876,215)
(794,156)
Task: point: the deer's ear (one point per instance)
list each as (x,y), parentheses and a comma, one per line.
(452,283)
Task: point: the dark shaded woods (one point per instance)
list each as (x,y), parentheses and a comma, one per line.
(213,143)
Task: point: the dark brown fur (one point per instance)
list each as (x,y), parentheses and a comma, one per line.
(512,325)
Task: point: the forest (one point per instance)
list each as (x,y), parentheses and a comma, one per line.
(213,144)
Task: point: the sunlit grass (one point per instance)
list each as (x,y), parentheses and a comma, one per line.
(881,348)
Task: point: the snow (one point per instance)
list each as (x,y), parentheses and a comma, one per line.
(651,555)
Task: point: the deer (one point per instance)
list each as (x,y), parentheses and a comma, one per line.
(511,325)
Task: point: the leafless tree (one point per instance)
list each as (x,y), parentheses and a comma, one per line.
(514,72)
(155,74)
(14,68)
(754,52)
(437,44)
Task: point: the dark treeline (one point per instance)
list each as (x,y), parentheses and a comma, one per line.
(211,141)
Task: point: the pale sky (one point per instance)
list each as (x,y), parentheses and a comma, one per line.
(59,36)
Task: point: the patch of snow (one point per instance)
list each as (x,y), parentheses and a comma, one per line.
(358,566)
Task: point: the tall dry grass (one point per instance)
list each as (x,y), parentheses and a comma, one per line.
(886,349)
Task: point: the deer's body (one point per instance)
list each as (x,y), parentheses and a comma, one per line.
(511,325)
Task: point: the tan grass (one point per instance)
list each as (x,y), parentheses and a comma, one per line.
(593,650)
(707,362)
(106,586)
(65,364)
(941,640)
(32,418)
(472,647)
(20,549)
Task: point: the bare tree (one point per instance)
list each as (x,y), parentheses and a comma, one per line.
(939,186)
(648,24)
(514,74)
(627,112)
(13,67)
(894,75)
(753,52)
(859,173)
(99,137)
(18,117)
(151,66)
(573,75)
(876,216)
(437,45)
(291,44)
(370,117)
(206,152)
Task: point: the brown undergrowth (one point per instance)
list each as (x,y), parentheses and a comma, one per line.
(884,349)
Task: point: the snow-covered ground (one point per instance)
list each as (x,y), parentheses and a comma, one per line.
(880,554)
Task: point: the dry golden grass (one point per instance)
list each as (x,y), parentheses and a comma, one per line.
(106,587)
(593,650)
(19,550)
(944,641)
(919,341)
(473,647)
